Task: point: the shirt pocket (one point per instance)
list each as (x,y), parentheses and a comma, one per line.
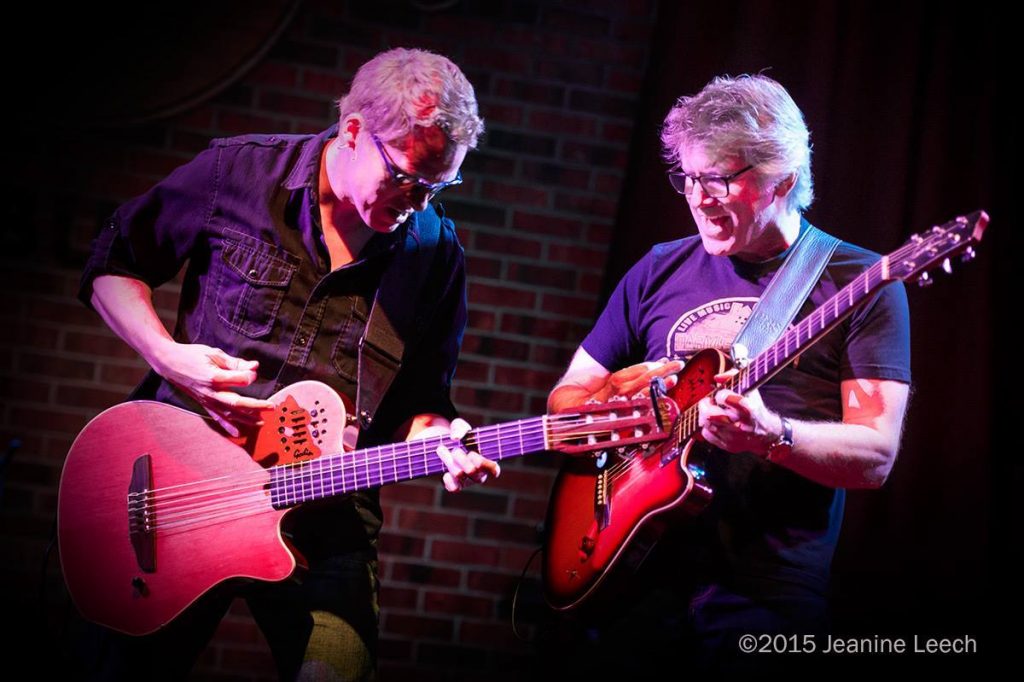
(345,353)
(252,280)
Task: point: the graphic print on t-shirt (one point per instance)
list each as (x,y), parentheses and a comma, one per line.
(711,325)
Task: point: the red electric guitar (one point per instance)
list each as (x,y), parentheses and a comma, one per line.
(599,505)
(157,506)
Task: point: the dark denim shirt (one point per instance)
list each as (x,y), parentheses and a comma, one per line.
(244,215)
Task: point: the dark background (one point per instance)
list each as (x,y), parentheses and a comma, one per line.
(566,191)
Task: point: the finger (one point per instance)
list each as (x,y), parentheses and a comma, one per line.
(240,403)
(738,403)
(459,428)
(726,376)
(481,462)
(225,361)
(450,484)
(233,377)
(228,427)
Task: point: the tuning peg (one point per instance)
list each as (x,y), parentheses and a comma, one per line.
(947,267)
(968,255)
(925,280)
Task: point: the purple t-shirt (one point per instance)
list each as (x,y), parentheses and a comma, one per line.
(765,522)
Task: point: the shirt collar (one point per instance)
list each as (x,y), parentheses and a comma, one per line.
(306,172)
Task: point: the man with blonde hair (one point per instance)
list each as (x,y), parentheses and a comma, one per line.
(298,247)
(756,562)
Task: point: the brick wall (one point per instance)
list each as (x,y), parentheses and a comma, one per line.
(558,84)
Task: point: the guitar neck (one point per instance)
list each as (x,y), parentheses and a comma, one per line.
(801,336)
(332,475)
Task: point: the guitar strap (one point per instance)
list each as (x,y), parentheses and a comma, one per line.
(785,294)
(400,309)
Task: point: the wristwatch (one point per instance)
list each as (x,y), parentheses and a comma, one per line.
(783,445)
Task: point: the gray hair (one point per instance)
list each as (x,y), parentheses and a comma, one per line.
(402,88)
(752,116)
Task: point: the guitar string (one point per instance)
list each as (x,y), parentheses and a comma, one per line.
(305,482)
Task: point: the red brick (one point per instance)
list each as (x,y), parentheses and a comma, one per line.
(574,306)
(16,389)
(402,545)
(418,627)
(483,320)
(487,502)
(294,105)
(431,522)
(397,597)
(495,400)
(611,51)
(586,205)
(552,356)
(394,650)
(424,574)
(617,133)
(541,276)
(409,493)
(522,533)
(121,375)
(458,604)
(518,557)
(497,583)
(530,509)
(234,123)
(479,266)
(547,224)
(325,83)
(596,155)
(534,326)
(277,74)
(538,404)
(564,123)
(556,175)
(507,245)
(55,367)
(96,344)
(494,346)
(488,635)
(469,370)
(499,112)
(528,91)
(599,233)
(32,336)
(48,419)
(503,296)
(508,61)
(66,313)
(524,482)
(506,375)
(505,193)
(625,81)
(464,553)
(578,255)
(608,183)
(93,398)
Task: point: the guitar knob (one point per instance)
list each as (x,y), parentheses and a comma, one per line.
(968,255)
(947,267)
(925,280)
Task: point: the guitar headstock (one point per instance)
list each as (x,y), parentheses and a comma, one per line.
(938,245)
(614,424)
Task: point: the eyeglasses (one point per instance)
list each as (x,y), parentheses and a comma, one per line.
(407,181)
(716,186)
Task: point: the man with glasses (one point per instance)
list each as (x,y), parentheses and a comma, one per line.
(292,244)
(757,560)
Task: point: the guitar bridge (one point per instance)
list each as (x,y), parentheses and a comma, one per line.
(602,500)
(141,519)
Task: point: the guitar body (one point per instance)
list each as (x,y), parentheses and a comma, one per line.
(200,513)
(597,508)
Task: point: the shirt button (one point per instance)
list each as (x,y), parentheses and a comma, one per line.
(302,339)
(253,273)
